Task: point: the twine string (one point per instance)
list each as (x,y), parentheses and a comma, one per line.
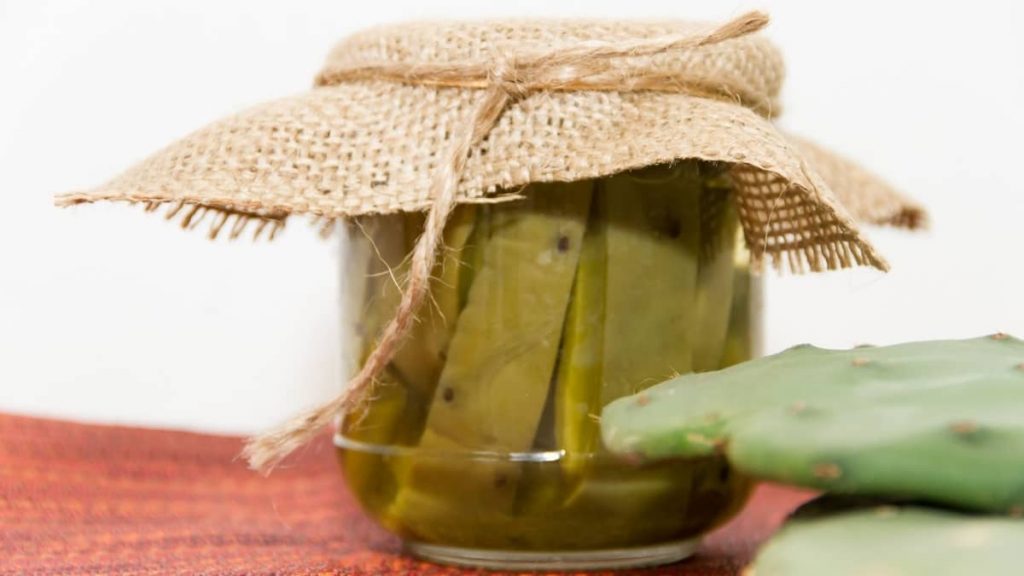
(593,65)
(588,66)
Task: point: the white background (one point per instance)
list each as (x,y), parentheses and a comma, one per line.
(110,314)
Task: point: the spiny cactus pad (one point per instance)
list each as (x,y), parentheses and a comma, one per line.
(940,421)
(891,540)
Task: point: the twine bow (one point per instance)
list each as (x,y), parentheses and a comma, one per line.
(587,66)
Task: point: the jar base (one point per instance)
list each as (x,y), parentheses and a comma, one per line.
(615,558)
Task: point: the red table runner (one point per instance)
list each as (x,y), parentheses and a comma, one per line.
(86,499)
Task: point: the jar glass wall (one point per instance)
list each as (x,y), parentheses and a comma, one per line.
(481,444)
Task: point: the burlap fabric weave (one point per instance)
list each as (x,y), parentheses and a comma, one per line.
(365,146)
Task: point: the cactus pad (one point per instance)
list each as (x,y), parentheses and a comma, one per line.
(891,540)
(940,421)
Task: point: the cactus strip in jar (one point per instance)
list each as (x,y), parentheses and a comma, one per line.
(716,277)
(652,249)
(577,383)
(500,363)
(421,357)
(493,388)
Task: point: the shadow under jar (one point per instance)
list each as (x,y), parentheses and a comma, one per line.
(481,445)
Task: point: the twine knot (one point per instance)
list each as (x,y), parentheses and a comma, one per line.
(505,76)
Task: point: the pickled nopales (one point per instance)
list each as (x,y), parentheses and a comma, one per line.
(644,226)
(420,362)
(743,329)
(652,249)
(491,393)
(484,431)
(495,381)
(577,396)
(716,275)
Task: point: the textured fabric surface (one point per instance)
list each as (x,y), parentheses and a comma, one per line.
(368,146)
(875,202)
(83,499)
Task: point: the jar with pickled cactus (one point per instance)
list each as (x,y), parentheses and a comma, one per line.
(593,179)
(481,443)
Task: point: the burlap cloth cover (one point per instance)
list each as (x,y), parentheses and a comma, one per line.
(424,116)
(364,146)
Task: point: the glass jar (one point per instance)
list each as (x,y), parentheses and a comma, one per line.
(481,445)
